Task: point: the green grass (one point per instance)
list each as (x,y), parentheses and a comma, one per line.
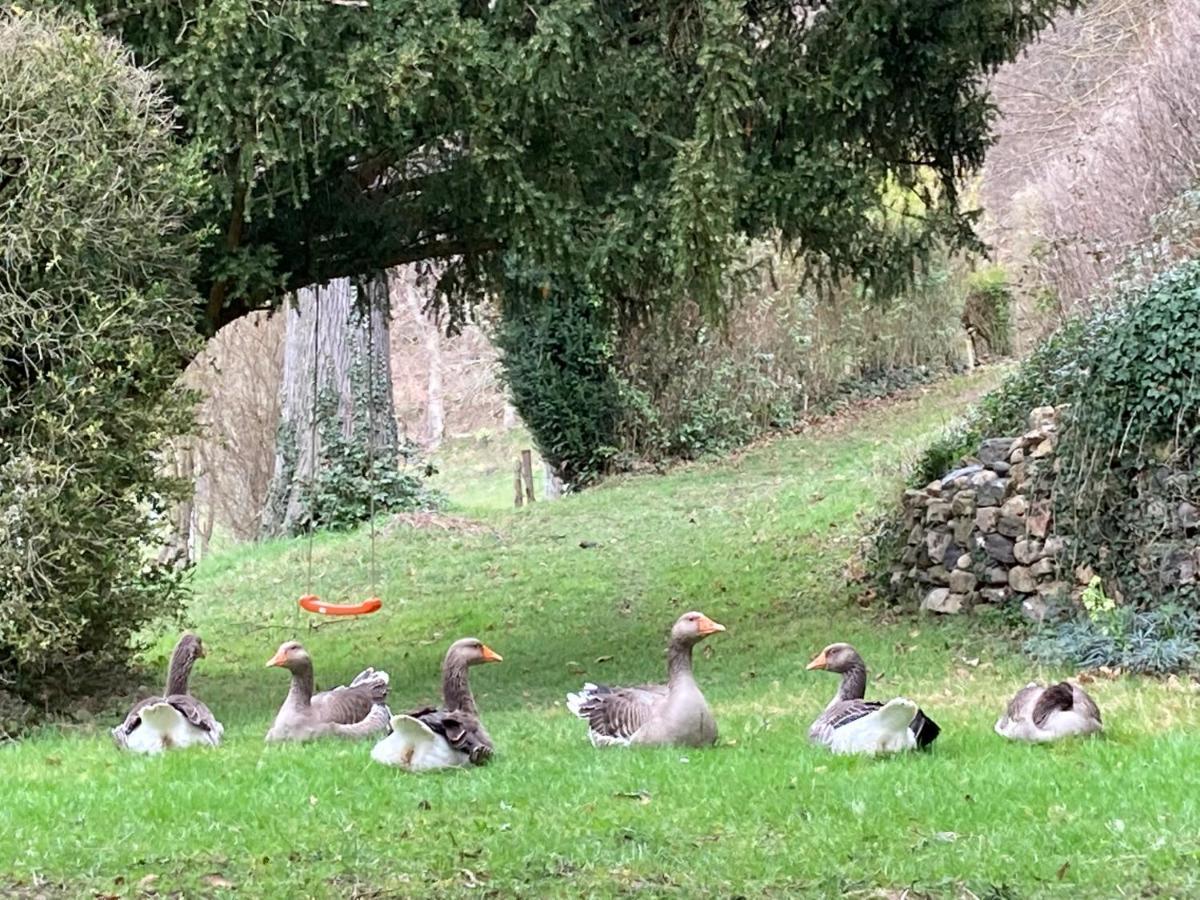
(758,542)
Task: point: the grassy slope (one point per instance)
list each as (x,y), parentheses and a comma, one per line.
(758,544)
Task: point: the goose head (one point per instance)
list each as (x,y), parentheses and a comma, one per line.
(840,658)
(290,655)
(693,627)
(470,651)
(190,647)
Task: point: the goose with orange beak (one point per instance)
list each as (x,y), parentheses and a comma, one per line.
(851,724)
(674,713)
(355,711)
(440,737)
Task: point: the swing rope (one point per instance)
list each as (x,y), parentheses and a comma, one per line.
(371,429)
(312,436)
(310,601)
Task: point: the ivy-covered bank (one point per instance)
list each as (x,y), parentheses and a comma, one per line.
(1125,493)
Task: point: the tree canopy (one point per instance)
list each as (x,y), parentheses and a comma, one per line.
(633,142)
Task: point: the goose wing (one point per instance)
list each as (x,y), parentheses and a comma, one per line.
(462,730)
(352,704)
(132,720)
(1085,705)
(838,715)
(1021,705)
(196,712)
(615,714)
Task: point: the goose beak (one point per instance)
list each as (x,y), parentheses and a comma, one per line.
(820,662)
(490,655)
(707,626)
(277,660)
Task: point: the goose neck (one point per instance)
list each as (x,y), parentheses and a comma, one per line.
(456,686)
(679,664)
(301,690)
(854,683)
(179,671)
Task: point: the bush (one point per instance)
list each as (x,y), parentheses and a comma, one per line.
(600,395)
(1153,642)
(1130,455)
(96,315)
(987,312)
(556,354)
(352,483)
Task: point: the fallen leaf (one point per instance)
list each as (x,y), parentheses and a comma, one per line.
(601,659)
(217,880)
(147,883)
(1062,870)
(640,796)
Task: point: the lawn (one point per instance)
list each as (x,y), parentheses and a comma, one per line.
(758,542)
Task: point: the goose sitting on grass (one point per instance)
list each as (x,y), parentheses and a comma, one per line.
(1038,713)
(357,711)
(672,713)
(176,719)
(851,724)
(446,736)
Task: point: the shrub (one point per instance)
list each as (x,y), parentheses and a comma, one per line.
(1130,454)
(96,311)
(556,354)
(352,483)
(599,394)
(1153,642)
(987,312)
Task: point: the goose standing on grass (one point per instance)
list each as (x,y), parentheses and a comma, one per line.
(176,719)
(357,711)
(672,713)
(445,736)
(1041,714)
(851,724)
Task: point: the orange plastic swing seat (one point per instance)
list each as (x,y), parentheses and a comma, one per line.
(314,604)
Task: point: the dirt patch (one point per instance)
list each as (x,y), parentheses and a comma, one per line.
(428,520)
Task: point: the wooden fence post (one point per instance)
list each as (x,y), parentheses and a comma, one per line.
(527,472)
(518,499)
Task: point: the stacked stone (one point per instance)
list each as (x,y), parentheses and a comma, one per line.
(982,533)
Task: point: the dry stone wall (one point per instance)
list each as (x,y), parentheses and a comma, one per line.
(983,533)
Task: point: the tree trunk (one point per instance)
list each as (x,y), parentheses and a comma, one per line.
(337,342)
(179,548)
(552,485)
(406,288)
(510,416)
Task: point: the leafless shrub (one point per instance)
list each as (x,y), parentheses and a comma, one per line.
(1099,135)
(238,375)
(444,385)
